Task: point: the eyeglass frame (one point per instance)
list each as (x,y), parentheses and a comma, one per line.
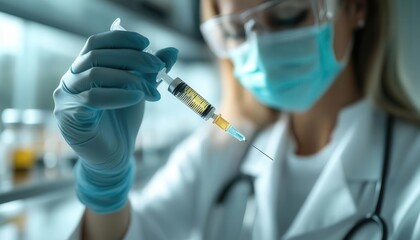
(322,13)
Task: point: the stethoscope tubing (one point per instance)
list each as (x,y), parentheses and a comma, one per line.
(375,217)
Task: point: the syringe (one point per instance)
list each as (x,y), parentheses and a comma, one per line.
(190,97)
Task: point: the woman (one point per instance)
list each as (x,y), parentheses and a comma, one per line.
(345,144)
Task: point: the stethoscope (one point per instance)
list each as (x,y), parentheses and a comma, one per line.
(370,218)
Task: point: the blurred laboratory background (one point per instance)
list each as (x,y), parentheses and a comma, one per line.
(38,42)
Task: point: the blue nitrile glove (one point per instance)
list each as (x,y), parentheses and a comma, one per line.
(99,107)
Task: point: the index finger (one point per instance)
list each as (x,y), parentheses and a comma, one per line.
(116,40)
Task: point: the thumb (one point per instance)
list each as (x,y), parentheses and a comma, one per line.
(168,56)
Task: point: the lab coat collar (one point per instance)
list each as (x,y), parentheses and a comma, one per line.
(365,126)
(359,119)
(356,147)
(265,171)
(320,210)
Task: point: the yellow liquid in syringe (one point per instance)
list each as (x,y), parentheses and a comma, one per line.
(193,100)
(201,106)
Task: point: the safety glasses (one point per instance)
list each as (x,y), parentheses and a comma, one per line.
(225,33)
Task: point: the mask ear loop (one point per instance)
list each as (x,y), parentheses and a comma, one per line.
(347,54)
(317,11)
(330,9)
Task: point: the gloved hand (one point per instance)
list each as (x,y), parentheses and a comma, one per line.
(99,107)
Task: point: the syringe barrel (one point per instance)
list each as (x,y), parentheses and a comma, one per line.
(191,98)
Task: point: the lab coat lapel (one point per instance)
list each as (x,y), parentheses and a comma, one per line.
(320,210)
(357,159)
(266,172)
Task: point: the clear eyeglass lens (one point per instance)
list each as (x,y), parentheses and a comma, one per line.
(270,16)
(284,15)
(229,32)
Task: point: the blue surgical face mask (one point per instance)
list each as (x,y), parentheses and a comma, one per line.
(288,70)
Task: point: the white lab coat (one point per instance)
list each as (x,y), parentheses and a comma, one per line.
(176,203)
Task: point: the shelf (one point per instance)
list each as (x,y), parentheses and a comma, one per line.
(34,183)
(86,18)
(41,181)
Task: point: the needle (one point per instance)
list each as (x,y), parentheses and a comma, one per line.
(252,145)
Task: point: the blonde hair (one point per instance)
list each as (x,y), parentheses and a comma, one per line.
(375,60)
(376,66)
